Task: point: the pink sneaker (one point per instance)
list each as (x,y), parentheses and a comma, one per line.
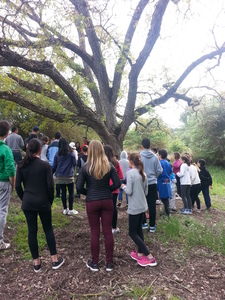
(134,255)
(145,261)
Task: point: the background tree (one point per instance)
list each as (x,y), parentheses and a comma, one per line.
(204,130)
(68,62)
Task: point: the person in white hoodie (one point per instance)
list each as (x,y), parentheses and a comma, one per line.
(185,185)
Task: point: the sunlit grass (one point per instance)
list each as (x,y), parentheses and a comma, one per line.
(17,220)
(188,232)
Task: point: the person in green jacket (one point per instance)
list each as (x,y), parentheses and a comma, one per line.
(7,179)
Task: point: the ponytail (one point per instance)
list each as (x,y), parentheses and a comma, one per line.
(135,158)
(186,159)
(34,146)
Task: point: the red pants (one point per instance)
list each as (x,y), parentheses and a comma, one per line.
(95,210)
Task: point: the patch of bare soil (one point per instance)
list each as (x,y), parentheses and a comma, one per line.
(198,275)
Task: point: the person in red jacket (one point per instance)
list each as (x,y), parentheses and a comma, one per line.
(112,158)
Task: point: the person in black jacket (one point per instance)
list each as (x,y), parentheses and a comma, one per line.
(37,197)
(206,182)
(96,173)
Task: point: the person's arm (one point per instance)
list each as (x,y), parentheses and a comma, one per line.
(21,142)
(115,179)
(128,188)
(12,181)
(146,185)
(10,168)
(120,171)
(50,184)
(18,185)
(210,180)
(159,168)
(80,183)
(54,164)
(74,161)
(181,173)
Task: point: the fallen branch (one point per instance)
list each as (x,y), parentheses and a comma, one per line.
(171,280)
(148,288)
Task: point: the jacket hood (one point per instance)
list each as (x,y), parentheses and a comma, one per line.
(147,153)
(123,155)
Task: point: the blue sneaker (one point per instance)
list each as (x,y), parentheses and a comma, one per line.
(189,211)
(152,229)
(184,211)
(145,226)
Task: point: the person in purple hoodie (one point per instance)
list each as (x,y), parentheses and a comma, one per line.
(63,166)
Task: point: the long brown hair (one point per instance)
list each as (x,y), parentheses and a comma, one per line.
(99,164)
(110,155)
(136,159)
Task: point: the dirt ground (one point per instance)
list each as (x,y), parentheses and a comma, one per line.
(199,275)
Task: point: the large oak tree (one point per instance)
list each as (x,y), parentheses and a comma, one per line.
(57,54)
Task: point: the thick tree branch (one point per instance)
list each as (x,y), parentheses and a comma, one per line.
(151,39)
(16,98)
(45,92)
(126,48)
(102,76)
(87,71)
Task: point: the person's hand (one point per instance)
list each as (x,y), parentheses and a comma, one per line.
(211,187)
(123,186)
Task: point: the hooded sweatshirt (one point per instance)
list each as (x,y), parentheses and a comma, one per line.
(152,166)
(124,162)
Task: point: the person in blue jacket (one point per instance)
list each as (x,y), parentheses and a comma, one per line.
(163,181)
(63,166)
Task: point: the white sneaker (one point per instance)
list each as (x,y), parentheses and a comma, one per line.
(115,230)
(158,202)
(65,211)
(4,246)
(72,212)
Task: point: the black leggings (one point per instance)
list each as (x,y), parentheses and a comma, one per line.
(151,200)
(195,189)
(46,220)
(114,220)
(136,233)
(70,187)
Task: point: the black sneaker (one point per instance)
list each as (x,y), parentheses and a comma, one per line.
(109,267)
(37,268)
(56,265)
(92,267)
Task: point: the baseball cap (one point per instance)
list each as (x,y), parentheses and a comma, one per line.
(72,145)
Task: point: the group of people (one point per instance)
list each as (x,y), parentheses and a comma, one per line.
(144,177)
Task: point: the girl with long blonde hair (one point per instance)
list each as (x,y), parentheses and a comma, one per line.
(96,173)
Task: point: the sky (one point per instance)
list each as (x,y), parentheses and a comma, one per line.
(182,41)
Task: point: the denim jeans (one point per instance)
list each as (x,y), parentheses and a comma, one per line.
(5,192)
(120,196)
(205,192)
(17,156)
(185,195)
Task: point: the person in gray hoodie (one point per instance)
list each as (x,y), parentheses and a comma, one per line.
(152,169)
(124,162)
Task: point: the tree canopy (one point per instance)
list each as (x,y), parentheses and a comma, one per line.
(66,60)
